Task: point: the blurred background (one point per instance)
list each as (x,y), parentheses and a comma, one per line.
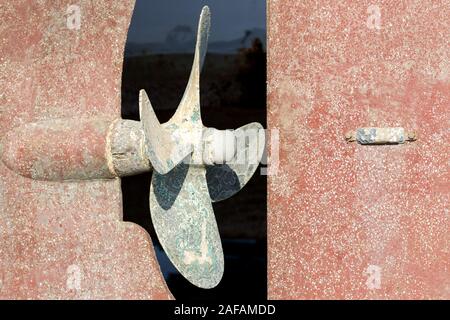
(158,58)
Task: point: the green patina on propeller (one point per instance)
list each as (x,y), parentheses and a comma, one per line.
(186,179)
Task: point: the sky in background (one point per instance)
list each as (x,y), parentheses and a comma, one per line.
(153,19)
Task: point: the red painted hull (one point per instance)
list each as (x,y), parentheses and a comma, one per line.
(348,221)
(67,240)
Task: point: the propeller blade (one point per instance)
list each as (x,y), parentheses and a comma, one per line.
(189,107)
(184,221)
(164,153)
(226,180)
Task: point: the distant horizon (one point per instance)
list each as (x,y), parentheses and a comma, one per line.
(211,41)
(186,44)
(154,19)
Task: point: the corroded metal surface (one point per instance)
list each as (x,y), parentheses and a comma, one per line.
(169,144)
(127,148)
(59,149)
(76,149)
(72,149)
(396,135)
(66,239)
(180,202)
(226,180)
(184,220)
(346,220)
(380,135)
(162,148)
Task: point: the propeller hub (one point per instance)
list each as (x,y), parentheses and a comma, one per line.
(219,146)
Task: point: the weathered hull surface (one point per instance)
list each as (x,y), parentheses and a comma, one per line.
(63,240)
(348,221)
